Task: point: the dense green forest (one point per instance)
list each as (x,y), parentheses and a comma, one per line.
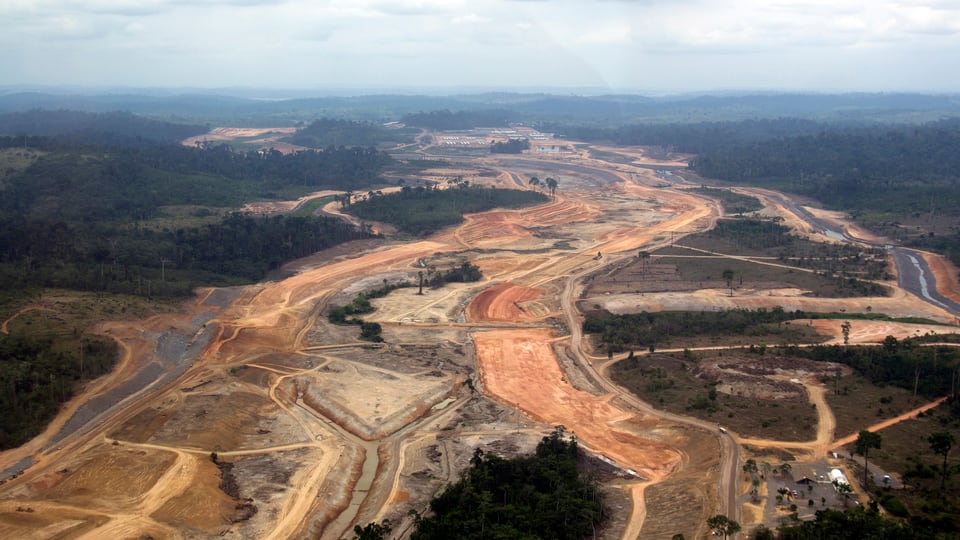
(87,181)
(83,125)
(895,171)
(696,137)
(539,496)
(333,132)
(124,258)
(421,210)
(38,373)
(882,176)
(90,209)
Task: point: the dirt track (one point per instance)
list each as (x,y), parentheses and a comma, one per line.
(324,431)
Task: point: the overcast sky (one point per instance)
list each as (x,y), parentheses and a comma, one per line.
(641,45)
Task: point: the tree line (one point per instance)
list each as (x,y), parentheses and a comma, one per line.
(421,210)
(511,146)
(123,258)
(87,126)
(336,132)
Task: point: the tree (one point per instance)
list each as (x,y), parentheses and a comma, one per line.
(551,185)
(373,531)
(845,330)
(865,441)
(843,489)
(728,277)
(534,181)
(941,442)
(644,259)
(723,525)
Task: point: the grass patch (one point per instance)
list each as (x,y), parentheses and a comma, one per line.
(733,203)
(857,403)
(310,207)
(905,451)
(683,383)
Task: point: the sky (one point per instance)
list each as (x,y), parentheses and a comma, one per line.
(652,46)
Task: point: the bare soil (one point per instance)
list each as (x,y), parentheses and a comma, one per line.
(323,431)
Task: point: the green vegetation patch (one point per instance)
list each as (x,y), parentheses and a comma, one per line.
(419,211)
(637,331)
(330,132)
(39,372)
(733,203)
(310,207)
(842,270)
(538,496)
(930,371)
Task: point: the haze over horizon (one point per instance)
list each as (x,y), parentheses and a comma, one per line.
(652,46)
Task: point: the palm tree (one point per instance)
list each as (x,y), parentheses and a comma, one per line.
(534,181)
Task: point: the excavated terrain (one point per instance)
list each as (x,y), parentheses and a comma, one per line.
(249,415)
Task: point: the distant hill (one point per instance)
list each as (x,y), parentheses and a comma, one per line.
(46,123)
(601,110)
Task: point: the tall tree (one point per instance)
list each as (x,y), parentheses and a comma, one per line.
(723,525)
(534,181)
(865,441)
(552,186)
(941,442)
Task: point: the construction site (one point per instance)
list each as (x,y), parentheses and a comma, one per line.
(247,414)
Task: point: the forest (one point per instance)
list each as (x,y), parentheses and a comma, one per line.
(423,210)
(531,497)
(335,132)
(618,333)
(883,176)
(125,258)
(929,371)
(78,210)
(38,373)
(79,125)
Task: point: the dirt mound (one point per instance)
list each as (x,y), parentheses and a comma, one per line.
(502,302)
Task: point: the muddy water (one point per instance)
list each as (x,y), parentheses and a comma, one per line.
(371,461)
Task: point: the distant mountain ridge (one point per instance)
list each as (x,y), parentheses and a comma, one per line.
(526,107)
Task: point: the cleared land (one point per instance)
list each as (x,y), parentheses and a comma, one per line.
(318,431)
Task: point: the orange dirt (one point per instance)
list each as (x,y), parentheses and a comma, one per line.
(502,302)
(946,274)
(264,137)
(862,331)
(512,362)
